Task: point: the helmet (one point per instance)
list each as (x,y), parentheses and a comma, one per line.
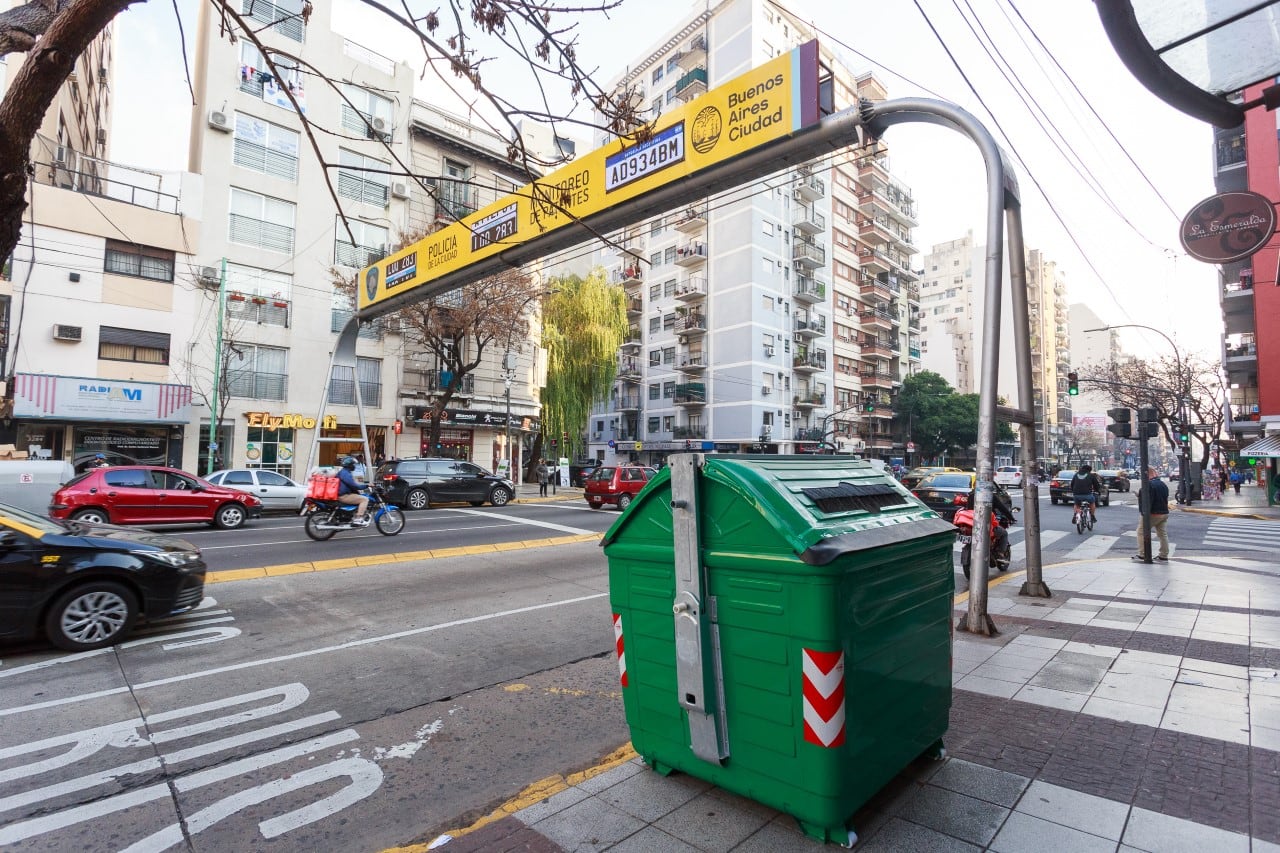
(349,463)
(101,456)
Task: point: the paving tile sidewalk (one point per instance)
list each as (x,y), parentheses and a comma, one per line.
(1138,709)
(1250,503)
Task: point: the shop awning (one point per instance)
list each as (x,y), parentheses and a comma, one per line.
(1268,446)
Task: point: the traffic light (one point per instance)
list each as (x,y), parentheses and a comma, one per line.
(1148,422)
(1073,384)
(1122,428)
(868,405)
(1184,433)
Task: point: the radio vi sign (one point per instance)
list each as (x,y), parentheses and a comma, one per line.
(765,104)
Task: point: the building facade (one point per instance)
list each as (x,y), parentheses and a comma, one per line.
(774,318)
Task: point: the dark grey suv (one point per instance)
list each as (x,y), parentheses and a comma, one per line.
(418,483)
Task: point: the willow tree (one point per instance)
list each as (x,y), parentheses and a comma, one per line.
(584,324)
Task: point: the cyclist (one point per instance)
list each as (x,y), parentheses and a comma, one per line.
(350,491)
(1085,488)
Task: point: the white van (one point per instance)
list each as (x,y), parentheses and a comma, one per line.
(29,483)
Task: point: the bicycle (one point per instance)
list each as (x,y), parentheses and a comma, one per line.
(1083,519)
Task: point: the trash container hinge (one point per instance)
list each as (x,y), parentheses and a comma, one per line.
(710,608)
(699,679)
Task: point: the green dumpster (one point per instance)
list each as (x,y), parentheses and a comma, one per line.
(783,628)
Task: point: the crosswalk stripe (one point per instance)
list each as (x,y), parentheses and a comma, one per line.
(1093,547)
(1243,534)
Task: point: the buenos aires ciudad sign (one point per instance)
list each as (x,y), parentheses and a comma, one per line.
(763,105)
(1228,227)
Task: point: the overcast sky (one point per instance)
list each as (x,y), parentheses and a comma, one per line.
(1131,269)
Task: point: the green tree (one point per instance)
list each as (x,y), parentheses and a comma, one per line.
(940,421)
(584,324)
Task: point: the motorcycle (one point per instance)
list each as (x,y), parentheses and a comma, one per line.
(998,558)
(325,518)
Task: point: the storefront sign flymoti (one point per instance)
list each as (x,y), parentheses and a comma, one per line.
(763,105)
(266,420)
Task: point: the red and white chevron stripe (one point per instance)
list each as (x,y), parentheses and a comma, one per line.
(617,642)
(824,697)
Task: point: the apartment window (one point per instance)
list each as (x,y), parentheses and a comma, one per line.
(672,64)
(655,357)
(655,227)
(254,75)
(654,391)
(655,323)
(262,221)
(140,261)
(768,266)
(671,94)
(655,106)
(669,256)
(258,372)
(368,372)
(116,344)
(455,195)
(669,288)
(653,424)
(668,355)
(368,107)
(655,259)
(669,322)
(655,290)
(363,178)
(370,243)
(285,15)
(656,76)
(267,148)
(766,228)
(668,390)
(668,423)
(259,296)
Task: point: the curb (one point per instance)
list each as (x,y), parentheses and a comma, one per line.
(1224,513)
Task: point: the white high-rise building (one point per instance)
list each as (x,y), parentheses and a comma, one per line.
(775,318)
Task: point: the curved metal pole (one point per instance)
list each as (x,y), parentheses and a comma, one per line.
(1002,190)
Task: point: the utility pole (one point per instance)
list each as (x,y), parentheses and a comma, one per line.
(1147,429)
(508,370)
(214,418)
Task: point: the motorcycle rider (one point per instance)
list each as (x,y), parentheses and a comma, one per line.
(351,491)
(1002,508)
(1085,488)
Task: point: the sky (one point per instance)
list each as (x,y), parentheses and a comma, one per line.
(1083,157)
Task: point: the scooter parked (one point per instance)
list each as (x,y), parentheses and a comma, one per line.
(998,554)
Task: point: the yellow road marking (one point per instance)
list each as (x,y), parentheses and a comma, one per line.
(389,559)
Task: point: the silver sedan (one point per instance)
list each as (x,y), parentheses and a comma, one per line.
(276,491)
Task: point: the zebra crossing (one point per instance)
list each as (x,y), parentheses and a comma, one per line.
(1243,534)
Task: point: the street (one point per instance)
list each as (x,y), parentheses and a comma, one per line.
(359,708)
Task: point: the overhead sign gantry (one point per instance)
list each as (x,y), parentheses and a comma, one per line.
(764,105)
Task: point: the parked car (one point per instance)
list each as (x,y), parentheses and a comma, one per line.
(1009,475)
(913,477)
(1060,490)
(946,492)
(616,484)
(1115,480)
(149,494)
(85,585)
(276,491)
(419,482)
(580,471)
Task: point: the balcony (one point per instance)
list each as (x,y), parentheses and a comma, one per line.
(878,379)
(266,311)
(913,353)
(692,289)
(878,289)
(693,362)
(879,347)
(809,434)
(913,322)
(695,56)
(692,83)
(809,221)
(809,289)
(628,275)
(1240,354)
(766,434)
(811,188)
(692,254)
(880,441)
(810,325)
(635,308)
(627,402)
(1237,303)
(875,261)
(689,432)
(691,394)
(693,220)
(629,370)
(808,253)
(691,324)
(878,318)
(808,401)
(634,340)
(809,361)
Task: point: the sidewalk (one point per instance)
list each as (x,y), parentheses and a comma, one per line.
(1250,503)
(1138,709)
(528,493)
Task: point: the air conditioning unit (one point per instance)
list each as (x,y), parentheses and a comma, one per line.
(66,333)
(765,390)
(768,351)
(379,126)
(102,136)
(209,277)
(218,120)
(399,189)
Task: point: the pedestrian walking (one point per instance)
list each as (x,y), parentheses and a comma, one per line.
(544,477)
(1222,481)
(1159,516)
(1236,479)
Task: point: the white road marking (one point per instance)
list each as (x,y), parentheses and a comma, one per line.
(322,650)
(544,524)
(373,534)
(1092,548)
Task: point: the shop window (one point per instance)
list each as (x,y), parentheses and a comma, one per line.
(139,261)
(116,344)
(270,449)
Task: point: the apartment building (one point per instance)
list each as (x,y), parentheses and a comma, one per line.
(271,223)
(947,303)
(773,318)
(1051,357)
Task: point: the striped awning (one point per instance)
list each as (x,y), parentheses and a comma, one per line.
(1268,446)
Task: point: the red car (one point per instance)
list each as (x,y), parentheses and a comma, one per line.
(615,484)
(147,494)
